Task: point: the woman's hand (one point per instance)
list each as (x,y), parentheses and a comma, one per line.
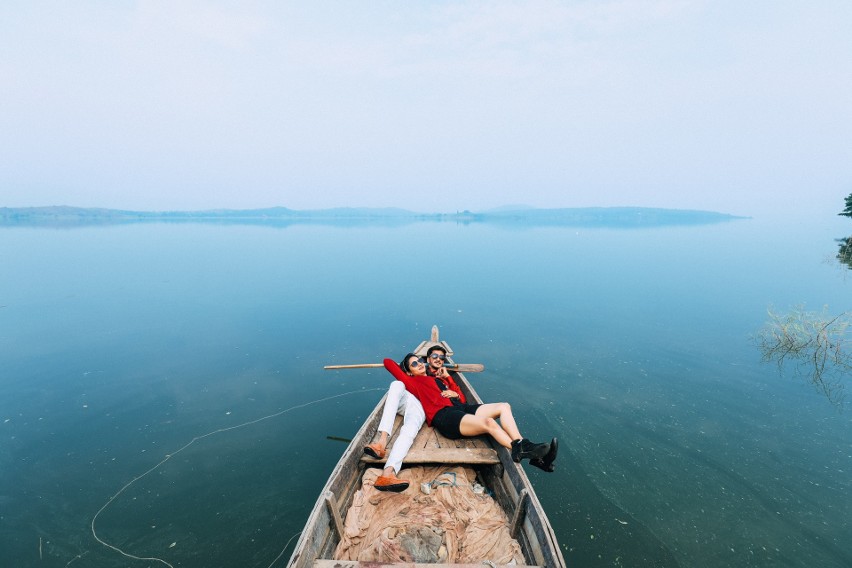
(449,394)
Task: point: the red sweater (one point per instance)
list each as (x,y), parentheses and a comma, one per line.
(422,387)
(450,384)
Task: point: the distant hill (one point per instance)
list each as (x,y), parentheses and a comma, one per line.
(604,216)
(271,212)
(280,216)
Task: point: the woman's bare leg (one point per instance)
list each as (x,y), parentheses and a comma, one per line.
(506,434)
(502,411)
(474,425)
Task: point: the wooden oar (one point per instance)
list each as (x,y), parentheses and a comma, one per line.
(461,367)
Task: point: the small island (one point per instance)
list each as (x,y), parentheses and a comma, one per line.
(65,216)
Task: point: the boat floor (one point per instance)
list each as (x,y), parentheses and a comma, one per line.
(431,447)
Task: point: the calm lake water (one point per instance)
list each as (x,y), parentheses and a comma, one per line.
(119,345)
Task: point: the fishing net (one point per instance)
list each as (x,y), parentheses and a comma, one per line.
(455,522)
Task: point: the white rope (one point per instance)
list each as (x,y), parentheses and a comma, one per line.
(185,446)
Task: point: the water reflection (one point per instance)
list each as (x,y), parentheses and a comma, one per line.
(813,344)
(844,255)
(281,217)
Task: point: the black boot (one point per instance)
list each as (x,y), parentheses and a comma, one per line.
(524,449)
(546,463)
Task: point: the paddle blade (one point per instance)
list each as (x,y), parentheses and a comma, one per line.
(467,367)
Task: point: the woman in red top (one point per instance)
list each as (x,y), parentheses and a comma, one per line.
(464,420)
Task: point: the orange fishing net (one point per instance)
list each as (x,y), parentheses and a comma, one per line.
(451,524)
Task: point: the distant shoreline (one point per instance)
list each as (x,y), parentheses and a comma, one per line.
(65,216)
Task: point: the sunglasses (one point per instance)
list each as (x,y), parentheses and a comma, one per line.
(438,357)
(416,363)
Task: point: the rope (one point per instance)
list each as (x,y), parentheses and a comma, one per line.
(185,446)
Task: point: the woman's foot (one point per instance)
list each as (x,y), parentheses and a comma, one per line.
(546,463)
(524,449)
(375,450)
(390,482)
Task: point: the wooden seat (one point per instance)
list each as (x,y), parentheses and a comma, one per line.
(431,447)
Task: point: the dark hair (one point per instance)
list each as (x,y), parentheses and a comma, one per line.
(404,363)
(436,348)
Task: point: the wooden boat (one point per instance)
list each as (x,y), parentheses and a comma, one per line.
(505,480)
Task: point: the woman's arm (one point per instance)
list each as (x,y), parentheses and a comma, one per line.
(395,370)
(455,388)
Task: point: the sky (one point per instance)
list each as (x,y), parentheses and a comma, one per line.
(730,106)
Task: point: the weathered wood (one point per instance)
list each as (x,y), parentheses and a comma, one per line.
(473,456)
(520,512)
(430,446)
(536,535)
(331,505)
(424,438)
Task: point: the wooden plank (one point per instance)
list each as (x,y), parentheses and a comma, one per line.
(433,439)
(520,513)
(445,455)
(422,348)
(423,439)
(456,456)
(397,424)
(429,446)
(331,505)
(471,443)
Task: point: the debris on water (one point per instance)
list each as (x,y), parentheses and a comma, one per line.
(172,545)
(622,522)
(338,439)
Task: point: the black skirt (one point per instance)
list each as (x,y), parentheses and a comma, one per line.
(447,420)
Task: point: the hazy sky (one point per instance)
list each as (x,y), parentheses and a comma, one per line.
(737,106)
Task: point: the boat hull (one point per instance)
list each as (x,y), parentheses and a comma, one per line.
(506,480)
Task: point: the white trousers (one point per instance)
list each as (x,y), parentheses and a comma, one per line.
(402,402)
